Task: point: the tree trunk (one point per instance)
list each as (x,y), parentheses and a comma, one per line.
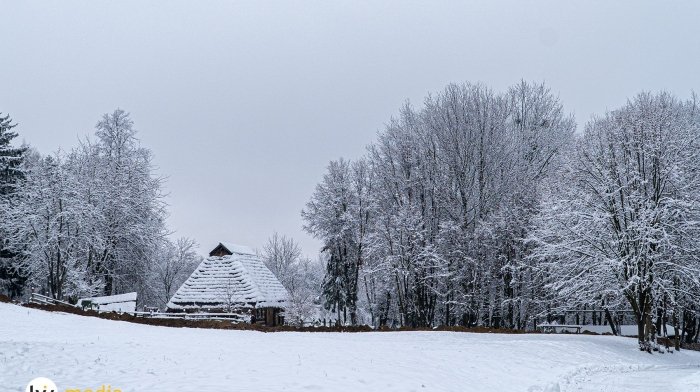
(677,327)
(613,327)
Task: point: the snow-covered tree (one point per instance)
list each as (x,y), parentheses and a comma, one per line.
(300,276)
(304,292)
(131,205)
(11,157)
(449,191)
(338,214)
(50,224)
(622,223)
(89,221)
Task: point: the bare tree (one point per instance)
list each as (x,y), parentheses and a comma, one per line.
(299,275)
(174,264)
(280,254)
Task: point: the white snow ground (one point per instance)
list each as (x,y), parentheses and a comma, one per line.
(86,352)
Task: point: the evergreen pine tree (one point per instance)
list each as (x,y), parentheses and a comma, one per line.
(335,282)
(11,279)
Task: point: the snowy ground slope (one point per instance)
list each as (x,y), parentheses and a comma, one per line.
(87,352)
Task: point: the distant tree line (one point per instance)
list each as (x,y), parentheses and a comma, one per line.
(484,208)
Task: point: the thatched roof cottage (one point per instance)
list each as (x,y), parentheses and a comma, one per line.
(233,279)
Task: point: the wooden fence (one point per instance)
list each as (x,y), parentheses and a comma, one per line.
(233,317)
(37,298)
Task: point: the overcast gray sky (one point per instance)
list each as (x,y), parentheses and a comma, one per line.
(244,103)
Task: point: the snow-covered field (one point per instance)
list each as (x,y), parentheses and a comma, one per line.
(84,352)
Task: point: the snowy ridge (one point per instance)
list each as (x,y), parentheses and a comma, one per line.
(240,280)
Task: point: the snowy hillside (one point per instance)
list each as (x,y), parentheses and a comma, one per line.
(84,352)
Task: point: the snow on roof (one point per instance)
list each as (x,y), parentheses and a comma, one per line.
(234,248)
(239,280)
